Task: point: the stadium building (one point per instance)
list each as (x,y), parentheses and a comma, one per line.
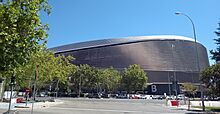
(166,59)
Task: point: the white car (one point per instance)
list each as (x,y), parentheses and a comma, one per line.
(7,94)
(135,96)
(181,97)
(146,96)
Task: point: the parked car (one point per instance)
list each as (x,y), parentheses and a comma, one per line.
(135,96)
(42,94)
(181,97)
(171,97)
(94,95)
(146,96)
(7,95)
(159,97)
(105,95)
(122,96)
(113,95)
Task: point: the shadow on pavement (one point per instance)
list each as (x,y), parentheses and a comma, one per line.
(201,112)
(215,110)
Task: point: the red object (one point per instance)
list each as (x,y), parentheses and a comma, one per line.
(134,97)
(19,100)
(174,103)
(27,90)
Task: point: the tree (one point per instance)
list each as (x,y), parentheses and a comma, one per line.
(85,77)
(211,76)
(21,32)
(189,89)
(110,79)
(89,76)
(49,68)
(216,53)
(134,78)
(211,79)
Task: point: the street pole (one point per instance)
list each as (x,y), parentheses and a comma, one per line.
(57,88)
(174,72)
(80,84)
(9,107)
(197,56)
(33,99)
(169,84)
(11,85)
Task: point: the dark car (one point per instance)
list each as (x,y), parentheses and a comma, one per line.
(159,97)
(105,95)
(94,95)
(122,96)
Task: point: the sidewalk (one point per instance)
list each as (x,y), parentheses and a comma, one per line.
(37,104)
(28,105)
(185,107)
(192,109)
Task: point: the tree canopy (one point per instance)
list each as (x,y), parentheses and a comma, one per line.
(110,79)
(134,78)
(211,75)
(189,88)
(211,79)
(216,53)
(85,77)
(49,68)
(21,31)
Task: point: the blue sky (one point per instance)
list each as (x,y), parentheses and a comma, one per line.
(74,21)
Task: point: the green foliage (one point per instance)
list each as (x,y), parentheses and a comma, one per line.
(48,67)
(92,78)
(189,88)
(211,79)
(89,76)
(134,78)
(86,77)
(216,53)
(110,79)
(21,32)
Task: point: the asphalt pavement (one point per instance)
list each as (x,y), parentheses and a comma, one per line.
(106,106)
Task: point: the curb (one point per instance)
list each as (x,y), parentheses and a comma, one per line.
(37,105)
(11,112)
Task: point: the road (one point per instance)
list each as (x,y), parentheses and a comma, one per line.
(107,106)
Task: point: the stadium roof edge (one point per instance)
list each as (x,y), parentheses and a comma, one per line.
(116,41)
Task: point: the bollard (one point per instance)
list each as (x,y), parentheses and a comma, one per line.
(174,103)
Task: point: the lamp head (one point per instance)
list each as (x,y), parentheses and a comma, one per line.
(177,13)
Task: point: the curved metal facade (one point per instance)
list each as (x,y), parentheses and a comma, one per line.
(164,59)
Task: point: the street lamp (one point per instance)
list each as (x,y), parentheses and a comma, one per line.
(197,55)
(12,83)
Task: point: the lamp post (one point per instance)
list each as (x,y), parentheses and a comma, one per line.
(34,91)
(197,54)
(174,81)
(80,85)
(12,83)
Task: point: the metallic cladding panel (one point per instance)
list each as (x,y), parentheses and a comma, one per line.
(115,41)
(158,58)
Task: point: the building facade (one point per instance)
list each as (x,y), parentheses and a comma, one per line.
(165,59)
